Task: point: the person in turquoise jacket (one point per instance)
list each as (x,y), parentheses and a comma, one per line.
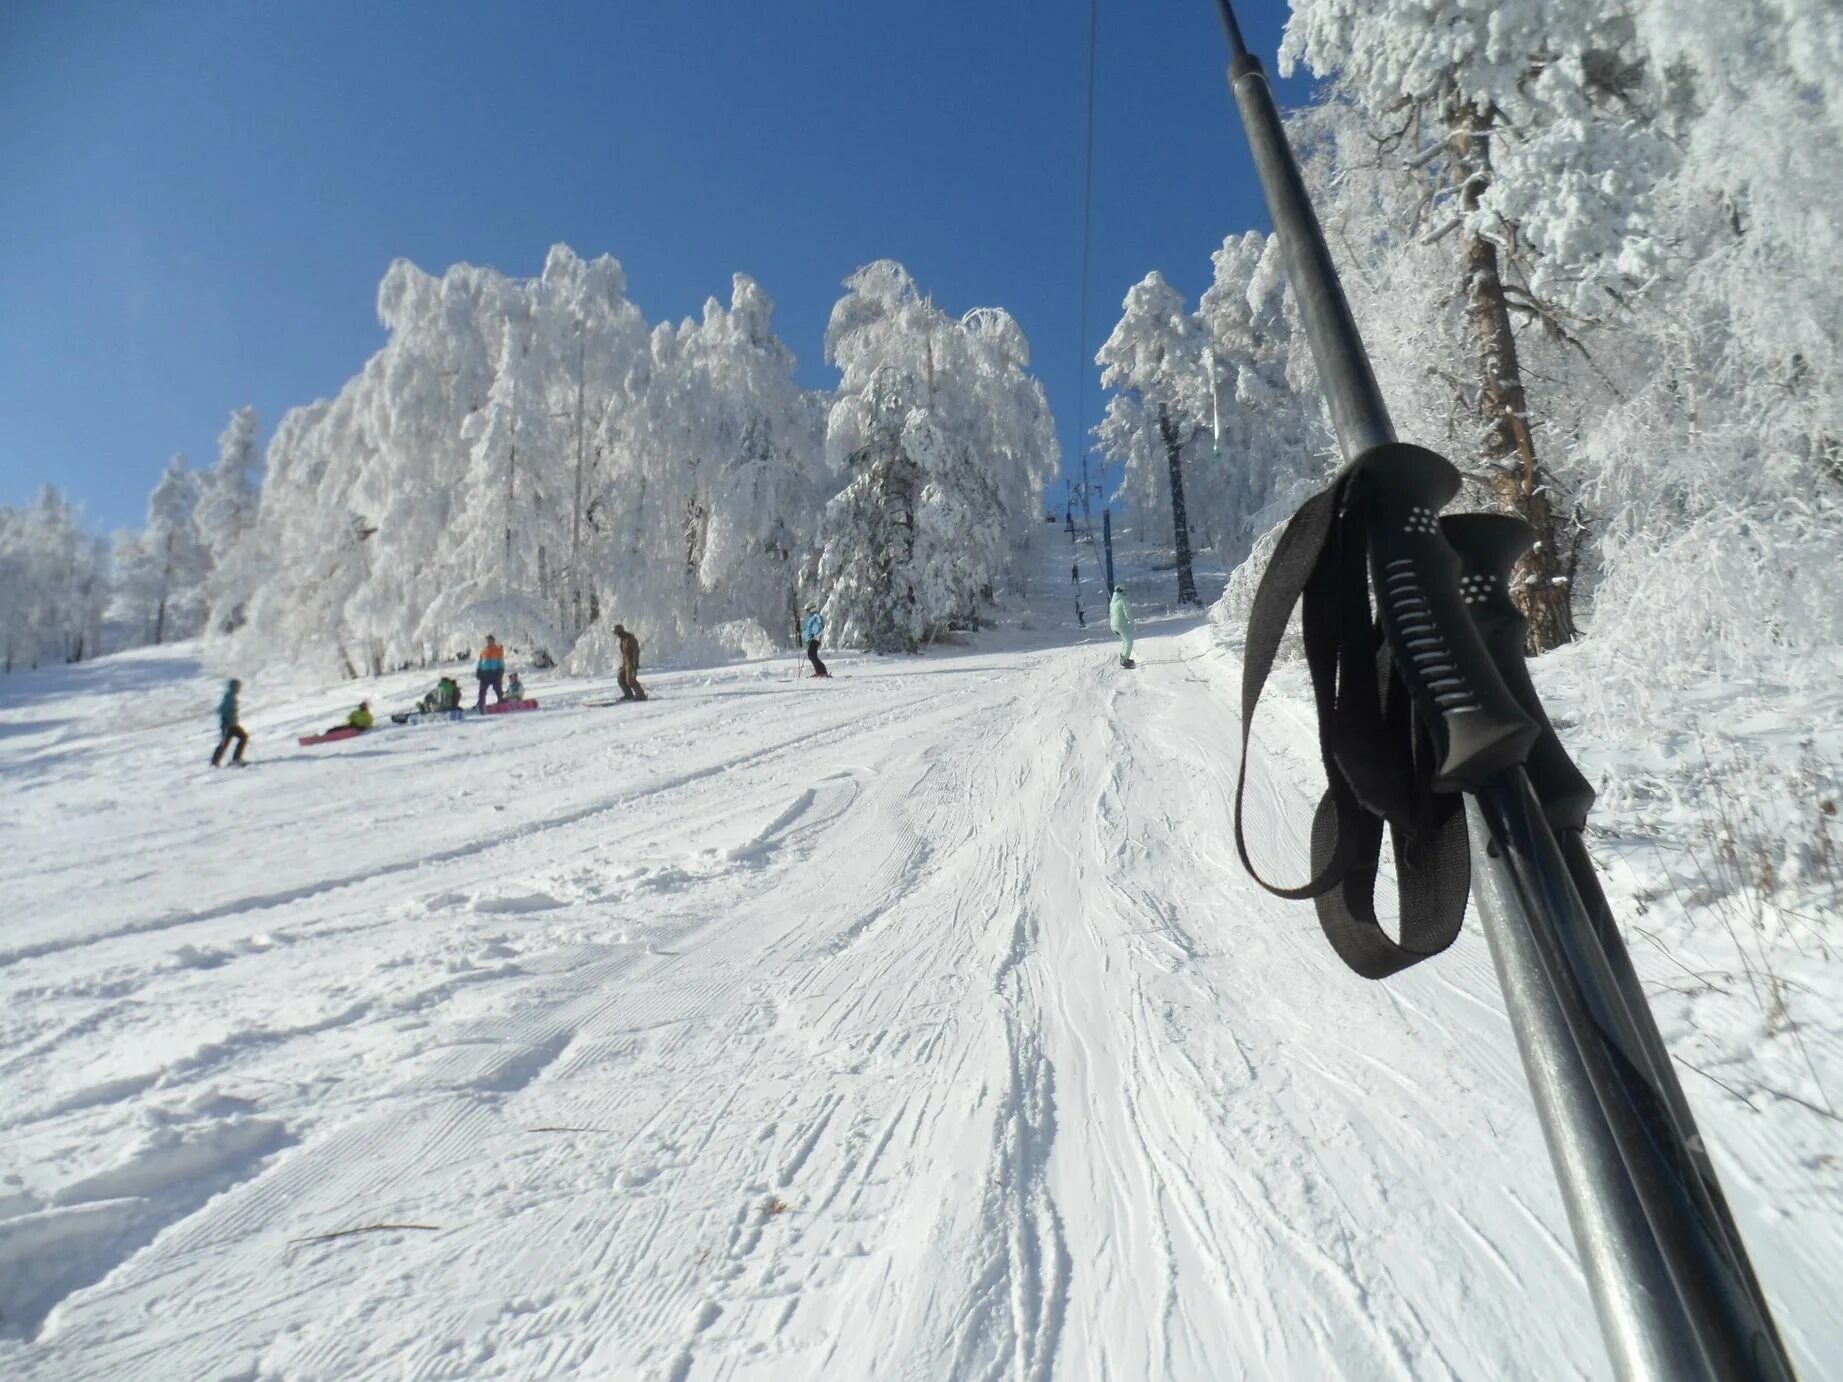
(814,630)
(228,728)
(1120,616)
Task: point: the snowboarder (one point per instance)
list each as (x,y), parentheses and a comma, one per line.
(359,719)
(228,728)
(814,631)
(489,671)
(515,689)
(1121,618)
(630,665)
(445,697)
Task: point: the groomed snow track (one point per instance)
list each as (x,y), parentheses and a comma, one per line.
(916,1025)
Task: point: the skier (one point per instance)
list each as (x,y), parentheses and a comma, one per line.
(630,665)
(359,719)
(515,689)
(489,671)
(228,728)
(1121,618)
(814,631)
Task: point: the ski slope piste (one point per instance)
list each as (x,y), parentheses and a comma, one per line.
(920,1023)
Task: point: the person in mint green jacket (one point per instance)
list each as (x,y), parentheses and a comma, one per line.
(1120,616)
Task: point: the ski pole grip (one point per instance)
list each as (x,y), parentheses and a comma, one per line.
(1488,545)
(1478,727)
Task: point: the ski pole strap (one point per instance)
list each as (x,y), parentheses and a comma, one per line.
(1409,705)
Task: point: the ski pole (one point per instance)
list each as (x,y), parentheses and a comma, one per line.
(1676,1295)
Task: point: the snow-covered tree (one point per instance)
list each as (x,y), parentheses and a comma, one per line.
(947,446)
(53,585)
(437,498)
(1268,435)
(1162,409)
(1534,133)
(225,513)
(161,572)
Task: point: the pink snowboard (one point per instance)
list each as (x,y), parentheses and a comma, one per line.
(330,736)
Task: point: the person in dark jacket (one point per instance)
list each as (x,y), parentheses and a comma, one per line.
(228,728)
(490,671)
(630,665)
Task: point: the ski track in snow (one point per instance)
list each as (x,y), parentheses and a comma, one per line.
(919,1025)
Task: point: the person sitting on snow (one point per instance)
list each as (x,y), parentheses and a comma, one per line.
(515,689)
(445,696)
(359,719)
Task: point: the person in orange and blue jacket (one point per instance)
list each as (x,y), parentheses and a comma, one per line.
(490,671)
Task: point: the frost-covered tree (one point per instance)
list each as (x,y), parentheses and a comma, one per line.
(53,585)
(1156,362)
(1716,473)
(161,572)
(867,560)
(1534,132)
(527,457)
(225,513)
(946,444)
(436,498)
(1269,438)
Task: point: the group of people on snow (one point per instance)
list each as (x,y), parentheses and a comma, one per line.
(490,674)
(489,671)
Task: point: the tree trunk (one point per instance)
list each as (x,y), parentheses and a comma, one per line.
(1539,584)
(574,619)
(1180,521)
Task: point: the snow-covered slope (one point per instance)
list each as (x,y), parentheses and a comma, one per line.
(917,1024)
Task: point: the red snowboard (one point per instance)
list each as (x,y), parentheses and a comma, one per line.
(507,707)
(330,736)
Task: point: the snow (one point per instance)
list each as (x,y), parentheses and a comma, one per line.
(918,1023)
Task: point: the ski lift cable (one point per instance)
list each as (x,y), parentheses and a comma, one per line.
(1677,1298)
(1082,362)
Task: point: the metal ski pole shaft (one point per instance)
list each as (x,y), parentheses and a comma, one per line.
(1676,1297)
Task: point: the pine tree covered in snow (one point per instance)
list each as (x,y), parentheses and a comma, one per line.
(947,445)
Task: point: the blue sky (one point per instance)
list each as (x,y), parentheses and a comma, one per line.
(197,200)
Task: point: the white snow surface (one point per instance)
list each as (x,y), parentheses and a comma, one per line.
(918,1024)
